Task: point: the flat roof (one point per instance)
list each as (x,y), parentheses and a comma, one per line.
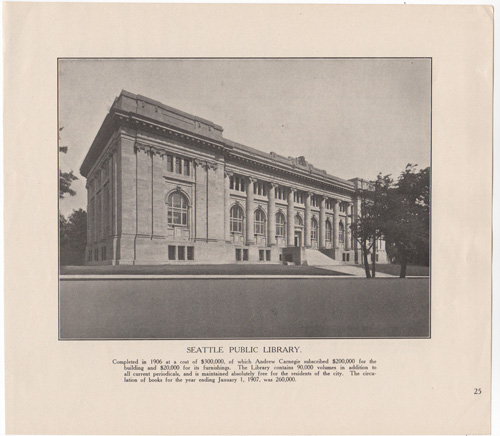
(129,102)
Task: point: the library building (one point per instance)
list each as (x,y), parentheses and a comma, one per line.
(164,186)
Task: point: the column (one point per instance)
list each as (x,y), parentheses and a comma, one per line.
(249,212)
(144,192)
(271,211)
(322,223)
(215,202)
(227,206)
(201,191)
(348,226)
(127,198)
(115,195)
(110,195)
(356,215)
(307,221)
(336,225)
(159,214)
(290,219)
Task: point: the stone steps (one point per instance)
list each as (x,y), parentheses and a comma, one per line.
(316,258)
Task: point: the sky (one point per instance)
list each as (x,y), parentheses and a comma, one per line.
(350,117)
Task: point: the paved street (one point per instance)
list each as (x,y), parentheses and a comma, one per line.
(244,308)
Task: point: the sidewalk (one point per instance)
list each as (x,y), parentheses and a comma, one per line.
(352,270)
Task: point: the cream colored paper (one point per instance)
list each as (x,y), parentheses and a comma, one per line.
(423,386)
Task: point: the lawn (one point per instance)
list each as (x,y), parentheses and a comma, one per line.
(142,308)
(194,269)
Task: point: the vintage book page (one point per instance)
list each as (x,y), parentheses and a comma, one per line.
(212,279)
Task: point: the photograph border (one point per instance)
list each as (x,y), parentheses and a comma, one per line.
(235,277)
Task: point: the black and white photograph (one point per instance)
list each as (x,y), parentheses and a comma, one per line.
(252,198)
(256,219)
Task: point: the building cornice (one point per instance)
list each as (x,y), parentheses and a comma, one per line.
(143,114)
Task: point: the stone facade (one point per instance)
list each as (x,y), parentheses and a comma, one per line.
(166,187)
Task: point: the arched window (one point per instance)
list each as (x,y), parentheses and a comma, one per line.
(236,219)
(314,229)
(341,232)
(177,209)
(280,224)
(328,228)
(298,221)
(259,220)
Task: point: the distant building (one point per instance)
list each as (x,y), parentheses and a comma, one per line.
(165,187)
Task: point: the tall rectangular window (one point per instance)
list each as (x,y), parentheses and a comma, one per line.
(190,253)
(186,167)
(259,221)
(170,163)
(98,217)
(178,165)
(171,252)
(181,252)
(261,255)
(238,184)
(245,254)
(238,254)
(280,224)
(106,211)
(236,219)
(268,255)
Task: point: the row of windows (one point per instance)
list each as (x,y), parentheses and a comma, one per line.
(100,177)
(237,183)
(100,215)
(180,252)
(237,223)
(315,201)
(94,255)
(177,215)
(259,188)
(298,197)
(178,165)
(236,220)
(280,193)
(241,254)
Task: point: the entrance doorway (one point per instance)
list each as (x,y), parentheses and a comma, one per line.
(298,238)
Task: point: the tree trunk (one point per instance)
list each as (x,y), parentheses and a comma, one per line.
(374,255)
(365,257)
(402,273)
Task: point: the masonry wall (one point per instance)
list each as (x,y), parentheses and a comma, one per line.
(128,218)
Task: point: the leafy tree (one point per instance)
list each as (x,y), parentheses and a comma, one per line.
(65,179)
(73,237)
(406,221)
(368,228)
(398,212)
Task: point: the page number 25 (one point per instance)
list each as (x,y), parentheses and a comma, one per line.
(477,391)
